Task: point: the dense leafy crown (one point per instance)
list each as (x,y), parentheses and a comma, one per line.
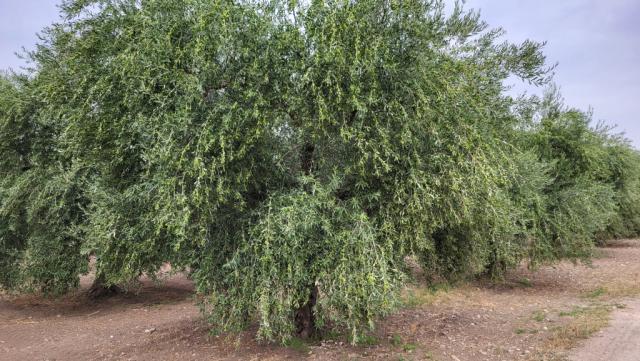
(294,154)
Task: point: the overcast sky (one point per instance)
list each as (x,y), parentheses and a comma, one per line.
(595,42)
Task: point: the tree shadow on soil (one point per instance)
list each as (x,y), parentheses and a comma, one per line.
(146,293)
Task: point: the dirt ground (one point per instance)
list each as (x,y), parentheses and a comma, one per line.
(618,342)
(531,316)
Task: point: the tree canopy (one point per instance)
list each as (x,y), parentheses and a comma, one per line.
(291,155)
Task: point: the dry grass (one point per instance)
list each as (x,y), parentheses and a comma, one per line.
(612,291)
(621,290)
(584,322)
(581,322)
(419,295)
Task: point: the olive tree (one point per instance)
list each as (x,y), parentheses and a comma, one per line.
(290,155)
(40,197)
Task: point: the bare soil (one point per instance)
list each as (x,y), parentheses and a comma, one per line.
(618,342)
(533,315)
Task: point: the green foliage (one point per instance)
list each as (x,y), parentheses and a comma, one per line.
(623,173)
(283,151)
(298,345)
(580,200)
(40,200)
(302,239)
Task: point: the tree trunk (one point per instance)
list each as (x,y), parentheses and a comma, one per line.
(99,288)
(305,320)
(306,158)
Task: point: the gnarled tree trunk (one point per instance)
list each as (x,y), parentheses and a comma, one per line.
(100,289)
(305,320)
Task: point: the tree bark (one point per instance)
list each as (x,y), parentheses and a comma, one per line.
(306,158)
(305,320)
(99,288)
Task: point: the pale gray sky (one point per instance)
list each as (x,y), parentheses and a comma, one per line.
(595,42)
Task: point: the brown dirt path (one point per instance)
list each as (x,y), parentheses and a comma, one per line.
(618,342)
(531,316)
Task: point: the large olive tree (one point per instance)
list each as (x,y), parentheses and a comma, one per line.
(290,155)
